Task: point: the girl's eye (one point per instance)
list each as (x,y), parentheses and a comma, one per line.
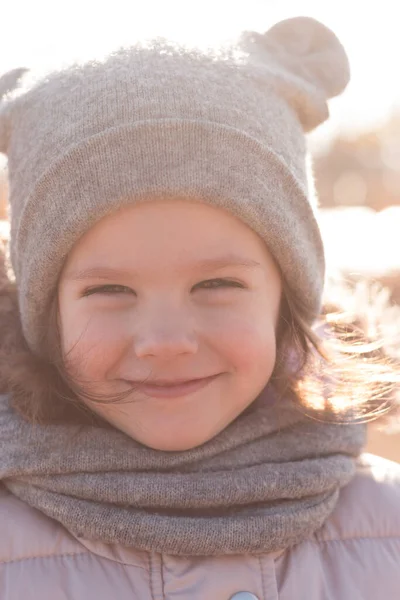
(212,284)
(108,290)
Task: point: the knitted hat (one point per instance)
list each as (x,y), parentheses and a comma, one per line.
(159,120)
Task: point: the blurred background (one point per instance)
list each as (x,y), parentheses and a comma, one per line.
(356,154)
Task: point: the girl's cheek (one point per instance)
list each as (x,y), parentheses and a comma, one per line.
(92,345)
(244,340)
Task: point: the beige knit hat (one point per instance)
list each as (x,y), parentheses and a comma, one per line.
(157,120)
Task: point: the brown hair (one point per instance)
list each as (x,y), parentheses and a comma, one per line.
(341,370)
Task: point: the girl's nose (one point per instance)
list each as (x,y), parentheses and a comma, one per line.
(165,339)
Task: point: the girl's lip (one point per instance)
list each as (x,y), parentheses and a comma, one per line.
(173,391)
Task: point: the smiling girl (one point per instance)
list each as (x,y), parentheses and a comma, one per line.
(179,422)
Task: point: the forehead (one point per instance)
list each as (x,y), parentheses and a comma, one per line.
(169,223)
(175,234)
(178,216)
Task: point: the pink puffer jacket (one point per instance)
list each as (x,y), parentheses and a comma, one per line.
(354,556)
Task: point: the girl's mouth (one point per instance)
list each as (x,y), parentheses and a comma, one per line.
(171,390)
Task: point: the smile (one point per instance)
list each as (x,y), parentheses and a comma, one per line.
(172,390)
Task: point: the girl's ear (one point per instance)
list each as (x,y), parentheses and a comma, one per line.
(307,62)
(8,82)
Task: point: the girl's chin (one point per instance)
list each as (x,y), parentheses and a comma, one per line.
(173,441)
(172,446)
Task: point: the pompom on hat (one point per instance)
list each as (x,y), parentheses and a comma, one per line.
(159,120)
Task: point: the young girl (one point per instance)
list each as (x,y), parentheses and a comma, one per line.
(177,424)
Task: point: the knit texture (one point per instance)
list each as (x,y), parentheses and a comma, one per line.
(266,482)
(223,126)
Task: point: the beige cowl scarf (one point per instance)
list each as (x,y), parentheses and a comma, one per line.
(266,482)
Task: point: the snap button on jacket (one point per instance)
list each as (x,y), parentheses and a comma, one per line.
(244,596)
(355,555)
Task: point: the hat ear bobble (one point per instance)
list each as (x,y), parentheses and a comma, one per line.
(310,63)
(8,82)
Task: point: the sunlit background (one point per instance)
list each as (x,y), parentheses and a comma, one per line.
(357,153)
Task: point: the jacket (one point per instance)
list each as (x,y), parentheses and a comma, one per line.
(354,556)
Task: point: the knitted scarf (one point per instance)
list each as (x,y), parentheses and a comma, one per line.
(266,482)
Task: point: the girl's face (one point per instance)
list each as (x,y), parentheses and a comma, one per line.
(183,296)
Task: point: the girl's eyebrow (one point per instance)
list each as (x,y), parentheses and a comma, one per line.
(103,272)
